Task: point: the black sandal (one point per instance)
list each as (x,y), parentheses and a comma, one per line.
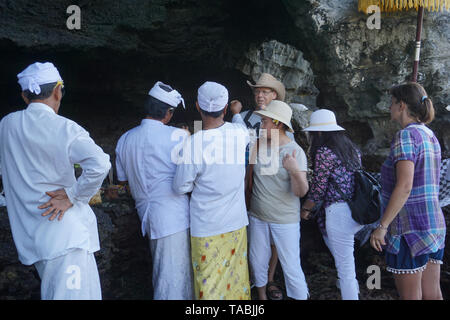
(274,294)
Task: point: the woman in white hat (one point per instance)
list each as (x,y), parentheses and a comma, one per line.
(278,181)
(335,158)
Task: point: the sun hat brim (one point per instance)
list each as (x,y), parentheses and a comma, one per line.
(326,127)
(275,85)
(274,116)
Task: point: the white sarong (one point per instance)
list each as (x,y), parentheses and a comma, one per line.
(73,276)
(172,269)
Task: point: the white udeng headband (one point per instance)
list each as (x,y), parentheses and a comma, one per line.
(212,96)
(38,74)
(172,98)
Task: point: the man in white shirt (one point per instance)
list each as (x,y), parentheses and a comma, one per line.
(38,151)
(212,167)
(146,158)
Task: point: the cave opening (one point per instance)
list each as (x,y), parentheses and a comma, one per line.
(106,85)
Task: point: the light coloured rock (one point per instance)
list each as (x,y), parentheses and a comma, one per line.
(356,66)
(286,63)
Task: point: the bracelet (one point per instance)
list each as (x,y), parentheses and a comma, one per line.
(382,227)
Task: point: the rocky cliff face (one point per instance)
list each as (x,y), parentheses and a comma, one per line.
(321,49)
(355,66)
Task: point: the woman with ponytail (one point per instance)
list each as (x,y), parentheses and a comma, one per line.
(412,229)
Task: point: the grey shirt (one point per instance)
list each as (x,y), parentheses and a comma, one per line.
(272,198)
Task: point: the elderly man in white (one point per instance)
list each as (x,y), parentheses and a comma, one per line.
(38,151)
(145,158)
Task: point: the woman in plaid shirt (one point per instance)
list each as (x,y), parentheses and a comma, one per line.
(412,228)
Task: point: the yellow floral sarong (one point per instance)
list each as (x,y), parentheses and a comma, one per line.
(220,266)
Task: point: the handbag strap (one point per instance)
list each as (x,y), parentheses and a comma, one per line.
(247,116)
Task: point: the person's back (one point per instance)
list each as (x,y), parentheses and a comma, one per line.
(38,151)
(36,157)
(212,167)
(217,199)
(145,160)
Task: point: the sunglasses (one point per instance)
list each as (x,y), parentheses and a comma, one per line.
(63,91)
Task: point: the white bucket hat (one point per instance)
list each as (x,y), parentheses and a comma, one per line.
(278,110)
(323,120)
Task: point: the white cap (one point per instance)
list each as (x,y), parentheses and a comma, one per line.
(172,97)
(38,74)
(212,96)
(323,120)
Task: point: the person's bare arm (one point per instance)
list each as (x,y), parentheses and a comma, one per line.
(399,196)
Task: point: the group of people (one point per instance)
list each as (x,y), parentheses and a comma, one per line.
(197,195)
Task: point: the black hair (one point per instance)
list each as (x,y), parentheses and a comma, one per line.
(340,144)
(215,114)
(46,92)
(416,98)
(155,108)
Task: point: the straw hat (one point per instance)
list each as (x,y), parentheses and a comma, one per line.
(268,81)
(278,110)
(323,120)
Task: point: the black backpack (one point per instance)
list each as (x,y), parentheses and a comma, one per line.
(366,201)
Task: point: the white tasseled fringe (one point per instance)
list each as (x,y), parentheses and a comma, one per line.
(411,271)
(406,271)
(435,261)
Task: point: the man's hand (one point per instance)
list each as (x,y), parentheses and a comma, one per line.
(235,107)
(57,205)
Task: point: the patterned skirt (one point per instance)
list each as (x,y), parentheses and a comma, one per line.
(220,266)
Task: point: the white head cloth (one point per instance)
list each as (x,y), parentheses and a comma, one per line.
(212,96)
(172,97)
(37,74)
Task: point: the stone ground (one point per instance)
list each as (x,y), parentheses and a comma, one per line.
(125,265)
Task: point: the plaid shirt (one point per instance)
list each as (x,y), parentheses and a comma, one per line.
(421,221)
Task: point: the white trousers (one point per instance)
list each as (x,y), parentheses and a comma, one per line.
(73,276)
(172,276)
(286,238)
(341,230)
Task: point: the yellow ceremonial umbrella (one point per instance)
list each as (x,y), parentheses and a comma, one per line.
(399,5)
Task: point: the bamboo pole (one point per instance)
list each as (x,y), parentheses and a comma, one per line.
(418,41)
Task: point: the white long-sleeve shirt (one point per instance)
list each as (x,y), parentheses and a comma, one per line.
(213,169)
(145,157)
(38,150)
